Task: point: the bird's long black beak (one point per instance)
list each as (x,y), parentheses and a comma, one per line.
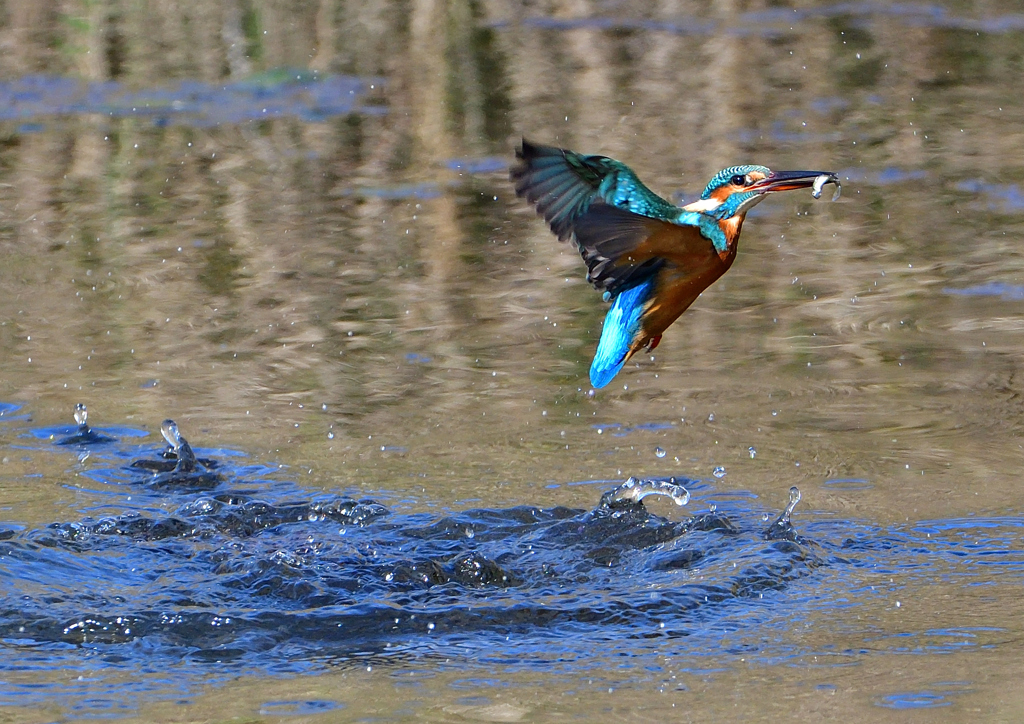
(789,180)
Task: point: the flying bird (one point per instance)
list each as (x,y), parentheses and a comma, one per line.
(651,258)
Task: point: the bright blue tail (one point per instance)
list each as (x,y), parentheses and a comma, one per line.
(620,327)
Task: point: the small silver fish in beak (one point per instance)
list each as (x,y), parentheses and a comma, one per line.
(826,178)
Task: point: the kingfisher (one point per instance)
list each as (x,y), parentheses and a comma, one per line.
(651,258)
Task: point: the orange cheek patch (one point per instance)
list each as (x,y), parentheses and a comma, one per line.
(724,192)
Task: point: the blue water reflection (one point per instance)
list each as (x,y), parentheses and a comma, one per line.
(1009,292)
(938,696)
(298,94)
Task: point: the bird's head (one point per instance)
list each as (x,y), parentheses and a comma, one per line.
(735,190)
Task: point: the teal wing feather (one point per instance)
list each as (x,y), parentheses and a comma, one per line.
(563,184)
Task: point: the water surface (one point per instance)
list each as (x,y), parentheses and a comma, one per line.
(291,230)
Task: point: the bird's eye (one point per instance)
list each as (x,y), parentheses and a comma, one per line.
(738,180)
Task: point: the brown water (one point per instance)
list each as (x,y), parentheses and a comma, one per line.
(354,292)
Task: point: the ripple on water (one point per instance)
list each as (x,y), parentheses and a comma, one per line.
(82,434)
(299,708)
(940,695)
(256,572)
(254,565)
(7,409)
(848,484)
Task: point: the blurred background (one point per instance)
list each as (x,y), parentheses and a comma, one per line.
(289,227)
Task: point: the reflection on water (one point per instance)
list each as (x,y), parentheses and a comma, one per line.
(346,285)
(282,93)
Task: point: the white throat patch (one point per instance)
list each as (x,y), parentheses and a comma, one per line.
(703,206)
(750,203)
(706,206)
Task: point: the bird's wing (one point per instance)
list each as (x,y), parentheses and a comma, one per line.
(562,185)
(623,249)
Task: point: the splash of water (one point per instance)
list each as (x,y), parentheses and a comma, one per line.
(83,435)
(636,489)
(81,415)
(782,528)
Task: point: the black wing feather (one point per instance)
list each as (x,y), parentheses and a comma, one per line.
(606,236)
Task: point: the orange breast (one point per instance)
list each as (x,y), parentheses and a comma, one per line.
(694,266)
(731,228)
(678,290)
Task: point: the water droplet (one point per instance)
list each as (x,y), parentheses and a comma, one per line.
(713,507)
(81,414)
(711,417)
(775,413)
(765,517)
(330,435)
(718,472)
(469,532)
(659,453)
(752,451)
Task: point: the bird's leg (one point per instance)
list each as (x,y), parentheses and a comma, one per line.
(653,343)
